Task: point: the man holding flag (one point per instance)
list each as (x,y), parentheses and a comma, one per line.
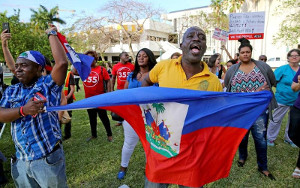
(188,71)
(39,160)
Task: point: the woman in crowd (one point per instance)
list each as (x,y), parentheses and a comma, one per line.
(252,76)
(214,67)
(144,62)
(294,131)
(213,63)
(285,97)
(108,68)
(94,85)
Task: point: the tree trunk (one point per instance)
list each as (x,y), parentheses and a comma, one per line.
(129,41)
(102,58)
(131,50)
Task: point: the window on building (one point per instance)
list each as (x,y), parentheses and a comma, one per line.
(105,58)
(115,59)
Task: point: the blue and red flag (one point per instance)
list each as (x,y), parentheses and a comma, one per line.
(81,62)
(189,137)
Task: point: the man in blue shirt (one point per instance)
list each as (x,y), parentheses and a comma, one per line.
(36,134)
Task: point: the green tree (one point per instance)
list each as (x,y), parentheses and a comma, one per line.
(42,17)
(233,5)
(289,28)
(159,107)
(218,18)
(23,38)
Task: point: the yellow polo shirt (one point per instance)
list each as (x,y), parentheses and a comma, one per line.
(169,73)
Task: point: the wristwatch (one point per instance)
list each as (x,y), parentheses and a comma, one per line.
(52,32)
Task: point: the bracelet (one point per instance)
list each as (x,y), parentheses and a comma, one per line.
(21,112)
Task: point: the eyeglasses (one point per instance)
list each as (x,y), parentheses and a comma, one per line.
(294,56)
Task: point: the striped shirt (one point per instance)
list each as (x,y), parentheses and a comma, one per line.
(242,82)
(34,137)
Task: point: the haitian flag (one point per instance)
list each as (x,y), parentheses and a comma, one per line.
(190,137)
(81,62)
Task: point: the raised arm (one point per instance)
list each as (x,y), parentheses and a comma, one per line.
(61,64)
(10,62)
(223,47)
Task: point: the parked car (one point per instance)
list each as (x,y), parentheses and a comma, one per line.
(275,62)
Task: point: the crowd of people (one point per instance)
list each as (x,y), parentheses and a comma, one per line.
(37,134)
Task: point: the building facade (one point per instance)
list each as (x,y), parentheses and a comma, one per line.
(184,19)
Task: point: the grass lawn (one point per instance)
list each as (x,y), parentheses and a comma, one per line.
(96,163)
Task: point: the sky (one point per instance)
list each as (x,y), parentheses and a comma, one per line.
(87,7)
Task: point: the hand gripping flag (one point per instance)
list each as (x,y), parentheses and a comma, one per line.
(81,62)
(189,137)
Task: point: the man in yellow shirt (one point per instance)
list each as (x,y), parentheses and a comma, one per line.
(187,72)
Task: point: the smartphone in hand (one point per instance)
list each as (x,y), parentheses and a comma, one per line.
(5,25)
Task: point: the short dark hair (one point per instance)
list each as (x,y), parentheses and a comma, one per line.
(291,51)
(122,54)
(262,56)
(231,61)
(245,43)
(193,27)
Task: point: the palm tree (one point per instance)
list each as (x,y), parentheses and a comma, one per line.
(159,107)
(233,5)
(42,17)
(218,16)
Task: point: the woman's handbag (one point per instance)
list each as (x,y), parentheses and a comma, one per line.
(116,117)
(65,117)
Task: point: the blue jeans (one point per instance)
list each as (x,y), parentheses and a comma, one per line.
(258,130)
(48,171)
(149,184)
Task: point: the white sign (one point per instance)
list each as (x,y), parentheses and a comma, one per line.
(220,34)
(248,25)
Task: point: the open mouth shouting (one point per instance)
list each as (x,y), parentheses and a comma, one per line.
(196,49)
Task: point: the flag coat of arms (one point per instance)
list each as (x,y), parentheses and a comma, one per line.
(189,137)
